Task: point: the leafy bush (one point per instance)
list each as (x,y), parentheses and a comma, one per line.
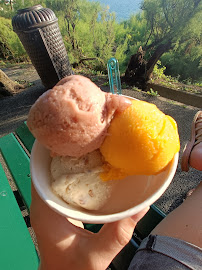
(10,45)
(184,66)
(153,93)
(88,31)
(91,32)
(129,36)
(158,71)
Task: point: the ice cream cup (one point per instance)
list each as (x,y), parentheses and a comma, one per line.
(129,196)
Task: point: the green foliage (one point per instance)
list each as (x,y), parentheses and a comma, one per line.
(153,93)
(184,66)
(8,8)
(124,86)
(185,60)
(158,71)
(87,29)
(136,89)
(106,84)
(10,45)
(198,84)
(169,19)
(91,32)
(174,26)
(130,35)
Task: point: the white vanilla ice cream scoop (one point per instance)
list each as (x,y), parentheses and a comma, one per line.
(85,189)
(77,180)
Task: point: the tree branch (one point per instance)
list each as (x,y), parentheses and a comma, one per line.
(75,64)
(8,85)
(166,14)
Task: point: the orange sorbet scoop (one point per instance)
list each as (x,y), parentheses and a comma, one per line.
(141,140)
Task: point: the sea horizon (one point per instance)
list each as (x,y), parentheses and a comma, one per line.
(123,8)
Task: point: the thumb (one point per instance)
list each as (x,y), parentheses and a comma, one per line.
(114,236)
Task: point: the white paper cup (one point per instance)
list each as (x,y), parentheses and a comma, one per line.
(130,195)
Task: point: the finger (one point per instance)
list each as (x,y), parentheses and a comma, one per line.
(114,236)
(140,215)
(76,222)
(43,217)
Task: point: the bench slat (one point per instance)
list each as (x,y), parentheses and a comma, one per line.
(17,250)
(149,221)
(25,136)
(18,164)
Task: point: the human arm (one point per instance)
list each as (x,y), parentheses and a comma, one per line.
(63,245)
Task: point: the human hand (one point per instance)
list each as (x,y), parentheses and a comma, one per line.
(63,245)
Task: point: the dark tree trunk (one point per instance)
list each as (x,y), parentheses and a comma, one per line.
(139,71)
(159,51)
(135,72)
(5,50)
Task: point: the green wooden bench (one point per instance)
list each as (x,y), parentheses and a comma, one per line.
(17,250)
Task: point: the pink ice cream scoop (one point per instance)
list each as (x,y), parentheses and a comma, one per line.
(72,118)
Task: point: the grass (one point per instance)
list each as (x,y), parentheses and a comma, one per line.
(105,84)
(124,86)
(136,89)
(174,83)
(7,64)
(184,106)
(176,103)
(171,102)
(153,93)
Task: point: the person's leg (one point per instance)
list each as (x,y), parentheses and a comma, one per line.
(176,243)
(192,154)
(165,247)
(195,160)
(185,222)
